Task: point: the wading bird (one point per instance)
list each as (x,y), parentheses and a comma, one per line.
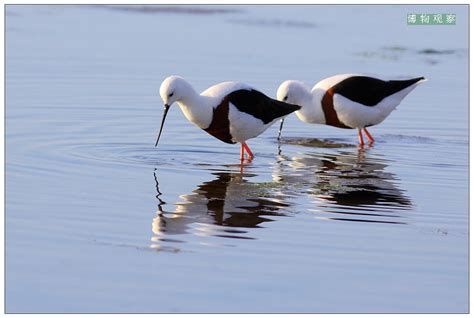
(346,100)
(230,111)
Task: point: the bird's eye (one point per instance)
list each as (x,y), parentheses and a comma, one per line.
(171,94)
(285,98)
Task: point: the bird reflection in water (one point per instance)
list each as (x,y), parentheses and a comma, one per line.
(224,207)
(341,185)
(347,186)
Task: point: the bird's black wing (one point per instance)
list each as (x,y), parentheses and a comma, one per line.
(259,105)
(370,91)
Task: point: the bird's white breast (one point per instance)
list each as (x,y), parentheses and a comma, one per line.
(356,115)
(244,126)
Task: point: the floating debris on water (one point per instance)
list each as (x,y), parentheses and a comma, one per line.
(396,52)
(433,51)
(378,55)
(395,48)
(274,23)
(180,9)
(314,142)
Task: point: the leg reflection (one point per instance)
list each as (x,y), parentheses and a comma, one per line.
(226,206)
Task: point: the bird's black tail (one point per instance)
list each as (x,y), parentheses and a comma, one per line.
(398,85)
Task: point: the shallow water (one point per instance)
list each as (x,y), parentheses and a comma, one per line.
(98,220)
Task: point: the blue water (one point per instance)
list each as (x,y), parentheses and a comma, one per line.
(98,220)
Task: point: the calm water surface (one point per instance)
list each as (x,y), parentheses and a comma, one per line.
(98,220)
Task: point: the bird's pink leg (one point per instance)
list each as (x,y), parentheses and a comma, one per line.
(369,136)
(247,149)
(361,138)
(242,157)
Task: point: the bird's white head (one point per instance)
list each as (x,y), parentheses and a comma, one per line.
(173,89)
(294,92)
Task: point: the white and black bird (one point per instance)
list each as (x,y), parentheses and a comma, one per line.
(347,100)
(230,111)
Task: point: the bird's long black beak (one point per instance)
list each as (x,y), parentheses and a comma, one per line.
(167,107)
(281,127)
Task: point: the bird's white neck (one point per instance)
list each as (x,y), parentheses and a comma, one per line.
(311,109)
(198,109)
